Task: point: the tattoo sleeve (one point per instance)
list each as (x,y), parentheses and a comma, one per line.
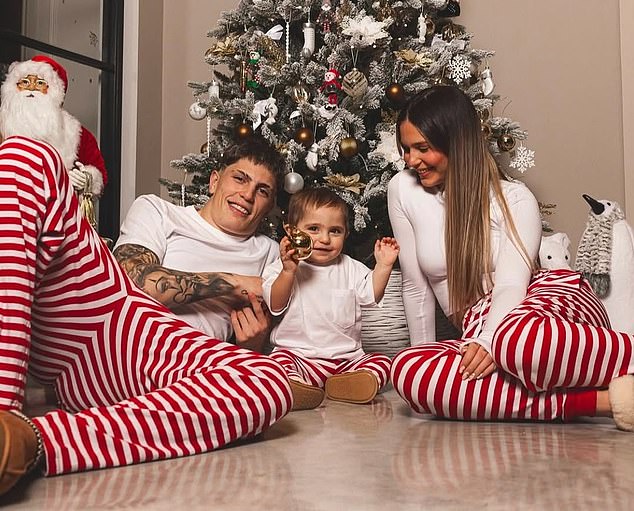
(173,287)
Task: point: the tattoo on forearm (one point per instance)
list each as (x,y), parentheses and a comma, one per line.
(173,287)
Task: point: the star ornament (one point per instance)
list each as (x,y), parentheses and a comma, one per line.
(365,30)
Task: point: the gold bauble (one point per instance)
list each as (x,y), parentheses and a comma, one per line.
(300,241)
(243,131)
(395,93)
(304,136)
(486,130)
(506,142)
(349,147)
(203,148)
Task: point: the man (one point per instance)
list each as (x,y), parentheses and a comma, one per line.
(33,93)
(190,260)
(136,383)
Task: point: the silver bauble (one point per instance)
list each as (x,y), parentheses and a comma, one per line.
(197,112)
(293,182)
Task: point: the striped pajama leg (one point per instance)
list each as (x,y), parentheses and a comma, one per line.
(375,363)
(141,383)
(552,347)
(316,371)
(313,372)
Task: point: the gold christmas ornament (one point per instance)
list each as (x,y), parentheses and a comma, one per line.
(204,147)
(395,93)
(349,147)
(243,131)
(486,130)
(299,93)
(355,84)
(300,241)
(506,142)
(351,183)
(304,136)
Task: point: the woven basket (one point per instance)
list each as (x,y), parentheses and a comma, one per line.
(384,329)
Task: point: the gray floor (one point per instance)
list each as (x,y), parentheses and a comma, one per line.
(378,456)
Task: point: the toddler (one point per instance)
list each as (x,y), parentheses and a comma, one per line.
(318,340)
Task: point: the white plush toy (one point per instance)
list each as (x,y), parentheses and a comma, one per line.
(554,251)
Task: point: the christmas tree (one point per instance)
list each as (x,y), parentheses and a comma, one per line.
(323,80)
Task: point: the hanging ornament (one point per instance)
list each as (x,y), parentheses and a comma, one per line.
(326,16)
(331,86)
(293,182)
(354,83)
(214,89)
(287,35)
(252,70)
(486,130)
(396,94)
(197,111)
(523,159)
(349,147)
(299,93)
(243,131)
(304,136)
(451,11)
(451,31)
(204,148)
(486,81)
(459,69)
(506,142)
(265,111)
(309,39)
(243,75)
(312,157)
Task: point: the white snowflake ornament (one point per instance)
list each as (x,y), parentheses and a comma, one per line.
(459,68)
(523,159)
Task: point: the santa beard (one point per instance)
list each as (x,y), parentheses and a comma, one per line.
(32,114)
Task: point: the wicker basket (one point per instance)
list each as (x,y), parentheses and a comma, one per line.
(384,329)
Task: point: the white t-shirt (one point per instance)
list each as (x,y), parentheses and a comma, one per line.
(323,316)
(184,241)
(417,216)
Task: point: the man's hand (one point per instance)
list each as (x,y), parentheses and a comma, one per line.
(251,324)
(78,176)
(476,362)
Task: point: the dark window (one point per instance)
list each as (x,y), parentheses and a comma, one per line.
(86,37)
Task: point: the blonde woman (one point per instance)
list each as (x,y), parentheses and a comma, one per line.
(535,344)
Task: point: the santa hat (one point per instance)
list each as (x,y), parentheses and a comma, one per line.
(335,72)
(45,67)
(57,67)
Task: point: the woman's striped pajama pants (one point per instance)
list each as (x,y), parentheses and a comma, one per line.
(554,346)
(136,384)
(316,371)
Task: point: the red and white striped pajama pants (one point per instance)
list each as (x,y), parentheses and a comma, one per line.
(551,350)
(136,383)
(315,371)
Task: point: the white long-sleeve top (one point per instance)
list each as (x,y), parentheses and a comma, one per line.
(417,216)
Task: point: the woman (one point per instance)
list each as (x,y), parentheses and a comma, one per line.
(535,344)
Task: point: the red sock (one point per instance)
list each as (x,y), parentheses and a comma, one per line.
(580,403)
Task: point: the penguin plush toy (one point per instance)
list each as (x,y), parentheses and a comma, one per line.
(606,258)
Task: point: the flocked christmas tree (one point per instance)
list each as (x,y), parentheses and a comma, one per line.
(323,80)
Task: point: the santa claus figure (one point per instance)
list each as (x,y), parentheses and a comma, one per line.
(331,86)
(32,97)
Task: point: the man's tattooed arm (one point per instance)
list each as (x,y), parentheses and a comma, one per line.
(173,287)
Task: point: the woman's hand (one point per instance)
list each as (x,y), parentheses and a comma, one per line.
(476,362)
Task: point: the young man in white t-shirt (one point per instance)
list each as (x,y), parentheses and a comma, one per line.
(205,265)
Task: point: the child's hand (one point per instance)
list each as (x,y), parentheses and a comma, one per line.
(288,256)
(386,251)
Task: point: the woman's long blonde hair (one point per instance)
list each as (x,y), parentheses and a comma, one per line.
(447,119)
